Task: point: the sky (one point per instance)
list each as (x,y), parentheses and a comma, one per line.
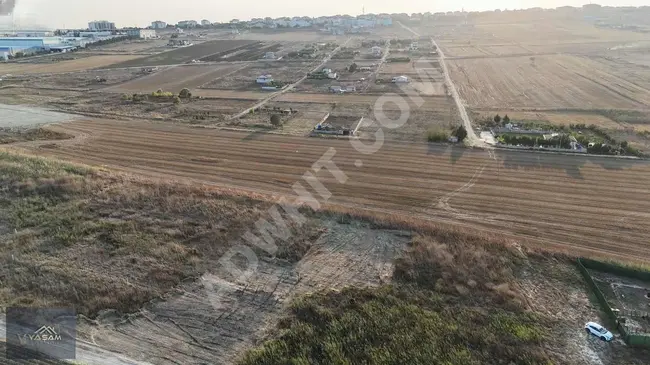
(77,13)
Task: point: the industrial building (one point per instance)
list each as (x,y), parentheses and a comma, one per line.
(141,33)
(12,45)
(158,25)
(187,24)
(101,25)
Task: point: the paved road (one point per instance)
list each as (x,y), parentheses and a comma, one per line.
(291,86)
(472,139)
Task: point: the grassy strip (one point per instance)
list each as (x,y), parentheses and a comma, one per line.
(448,305)
(75,236)
(9,135)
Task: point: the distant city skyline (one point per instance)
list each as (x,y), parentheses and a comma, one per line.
(125,13)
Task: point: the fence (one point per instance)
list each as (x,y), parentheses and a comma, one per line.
(632,339)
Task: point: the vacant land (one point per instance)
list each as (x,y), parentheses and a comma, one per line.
(187,54)
(582,204)
(544,82)
(79,64)
(174,79)
(127,244)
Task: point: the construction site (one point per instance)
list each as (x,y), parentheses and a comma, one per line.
(216,198)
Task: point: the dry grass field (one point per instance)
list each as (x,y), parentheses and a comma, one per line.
(79,64)
(576,204)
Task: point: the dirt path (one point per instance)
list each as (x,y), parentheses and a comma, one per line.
(217,317)
(472,139)
(291,86)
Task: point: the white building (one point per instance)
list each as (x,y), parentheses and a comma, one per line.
(377,51)
(264,79)
(158,25)
(187,24)
(141,33)
(206,23)
(101,25)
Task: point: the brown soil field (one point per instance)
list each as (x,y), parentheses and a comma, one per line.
(548,82)
(64,66)
(174,79)
(186,54)
(582,205)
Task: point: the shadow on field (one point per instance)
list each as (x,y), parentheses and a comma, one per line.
(254,135)
(455,151)
(572,164)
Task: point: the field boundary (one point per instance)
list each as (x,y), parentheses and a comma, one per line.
(632,339)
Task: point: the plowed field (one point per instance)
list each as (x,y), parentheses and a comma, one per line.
(577,204)
(549,82)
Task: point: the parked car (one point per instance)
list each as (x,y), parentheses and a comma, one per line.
(599,331)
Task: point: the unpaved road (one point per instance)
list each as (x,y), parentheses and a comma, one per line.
(586,205)
(472,139)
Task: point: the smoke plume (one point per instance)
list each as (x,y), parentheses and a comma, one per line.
(7,6)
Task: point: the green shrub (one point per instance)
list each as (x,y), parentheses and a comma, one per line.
(437,134)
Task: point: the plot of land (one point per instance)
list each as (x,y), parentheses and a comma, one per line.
(187,54)
(174,79)
(582,204)
(560,118)
(80,64)
(244,78)
(545,82)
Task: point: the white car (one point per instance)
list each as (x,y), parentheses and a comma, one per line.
(599,331)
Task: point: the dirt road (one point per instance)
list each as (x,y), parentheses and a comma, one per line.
(291,86)
(577,204)
(472,139)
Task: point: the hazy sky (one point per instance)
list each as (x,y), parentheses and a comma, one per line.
(77,13)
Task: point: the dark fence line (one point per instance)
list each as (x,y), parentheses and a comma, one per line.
(636,340)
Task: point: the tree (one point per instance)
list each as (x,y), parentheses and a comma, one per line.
(497,118)
(624,144)
(174,36)
(353,67)
(460,133)
(177,100)
(506,119)
(275,120)
(185,94)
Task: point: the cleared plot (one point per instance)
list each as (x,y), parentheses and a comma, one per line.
(21,116)
(462,51)
(502,50)
(79,64)
(174,79)
(584,205)
(545,82)
(187,54)
(244,78)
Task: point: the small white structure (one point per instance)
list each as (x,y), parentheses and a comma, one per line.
(206,23)
(269,56)
(264,79)
(365,68)
(336,89)
(332,75)
(376,51)
(400,79)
